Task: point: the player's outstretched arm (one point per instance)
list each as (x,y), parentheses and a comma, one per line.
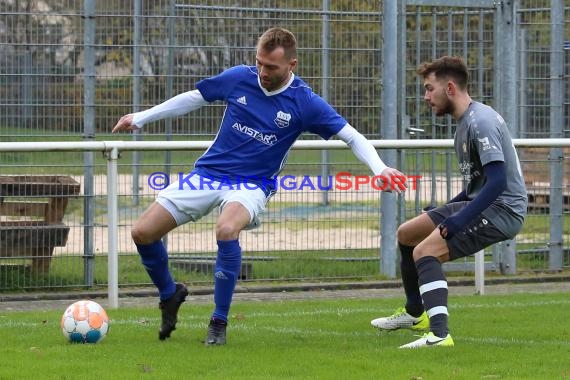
(398,180)
(366,153)
(177,106)
(125,123)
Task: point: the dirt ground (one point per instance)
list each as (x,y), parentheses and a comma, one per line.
(267,237)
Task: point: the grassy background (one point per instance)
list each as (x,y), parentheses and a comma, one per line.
(283,266)
(517,336)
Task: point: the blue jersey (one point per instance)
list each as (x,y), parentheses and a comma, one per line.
(259,127)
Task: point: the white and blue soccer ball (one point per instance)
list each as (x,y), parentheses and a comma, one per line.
(85,322)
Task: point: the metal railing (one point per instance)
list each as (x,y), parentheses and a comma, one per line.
(112,150)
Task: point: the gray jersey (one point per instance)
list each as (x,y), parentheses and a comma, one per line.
(482,137)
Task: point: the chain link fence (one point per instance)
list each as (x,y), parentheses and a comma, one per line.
(69,71)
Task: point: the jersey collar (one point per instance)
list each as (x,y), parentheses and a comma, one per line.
(278,91)
(471,103)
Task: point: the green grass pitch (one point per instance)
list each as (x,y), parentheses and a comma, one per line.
(518,336)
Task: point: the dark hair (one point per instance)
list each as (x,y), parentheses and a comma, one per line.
(278,37)
(447,67)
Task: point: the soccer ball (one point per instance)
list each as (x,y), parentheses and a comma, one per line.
(85,322)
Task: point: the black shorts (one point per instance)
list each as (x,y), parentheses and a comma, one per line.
(478,234)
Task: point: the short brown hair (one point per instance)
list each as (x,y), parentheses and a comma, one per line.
(278,37)
(447,67)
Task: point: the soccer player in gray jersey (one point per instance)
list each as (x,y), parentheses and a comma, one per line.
(490,208)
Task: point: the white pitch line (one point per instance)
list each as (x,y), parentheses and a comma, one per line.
(6,322)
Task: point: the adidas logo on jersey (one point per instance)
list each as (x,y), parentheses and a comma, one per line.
(242,100)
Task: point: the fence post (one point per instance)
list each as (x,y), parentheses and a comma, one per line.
(89,135)
(480,272)
(136,91)
(507,95)
(325,67)
(388,204)
(556,156)
(112,228)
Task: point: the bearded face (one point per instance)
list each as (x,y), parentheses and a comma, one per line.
(437,96)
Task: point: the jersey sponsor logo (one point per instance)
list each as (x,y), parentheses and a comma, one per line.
(465,168)
(266,139)
(485,144)
(242,100)
(469,176)
(282,119)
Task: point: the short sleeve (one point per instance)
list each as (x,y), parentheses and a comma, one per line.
(489,136)
(219,86)
(322,119)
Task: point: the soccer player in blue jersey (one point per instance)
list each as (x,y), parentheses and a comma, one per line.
(491,208)
(267,108)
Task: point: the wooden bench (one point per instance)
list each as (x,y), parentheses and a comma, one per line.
(31,216)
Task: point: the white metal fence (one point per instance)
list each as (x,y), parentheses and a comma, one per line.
(81,65)
(114,243)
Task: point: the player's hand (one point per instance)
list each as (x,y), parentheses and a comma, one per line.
(442,230)
(125,124)
(397,181)
(449,227)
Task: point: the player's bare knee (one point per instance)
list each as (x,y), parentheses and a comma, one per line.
(403,235)
(226,231)
(420,251)
(140,236)
(423,251)
(417,253)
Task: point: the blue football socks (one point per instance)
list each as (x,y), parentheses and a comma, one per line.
(228,266)
(155,260)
